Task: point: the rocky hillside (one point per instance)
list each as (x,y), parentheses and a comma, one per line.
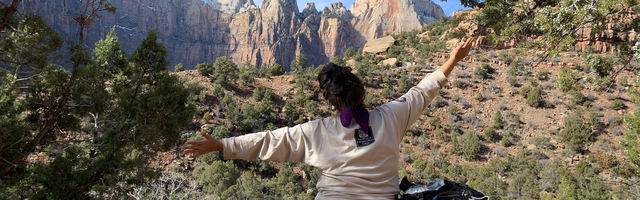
(508,123)
(196,31)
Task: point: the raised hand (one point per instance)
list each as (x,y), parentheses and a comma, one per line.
(457,55)
(461,51)
(201,147)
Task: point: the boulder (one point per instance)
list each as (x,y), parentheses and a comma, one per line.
(379,45)
(390,61)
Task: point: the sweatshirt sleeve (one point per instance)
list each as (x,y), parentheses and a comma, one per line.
(283,144)
(405,110)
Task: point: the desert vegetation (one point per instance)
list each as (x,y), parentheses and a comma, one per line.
(526,118)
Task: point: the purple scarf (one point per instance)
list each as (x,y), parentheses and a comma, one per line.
(361,115)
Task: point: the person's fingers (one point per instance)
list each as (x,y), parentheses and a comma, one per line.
(196,145)
(207,136)
(190,151)
(471,39)
(190,146)
(466,43)
(199,142)
(194,142)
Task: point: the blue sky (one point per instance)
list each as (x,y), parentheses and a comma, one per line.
(449,6)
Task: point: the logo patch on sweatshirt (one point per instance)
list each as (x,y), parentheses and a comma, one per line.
(364,139)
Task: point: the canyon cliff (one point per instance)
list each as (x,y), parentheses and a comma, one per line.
(375,18)
(196,31)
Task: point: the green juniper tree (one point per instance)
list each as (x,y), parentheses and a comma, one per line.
(109,113)
(225,71)
(576,133)
(405,82)
(204,69)
(277,70)
(299,63)
(248,73)
(349,53)
(178,68)
(498,121)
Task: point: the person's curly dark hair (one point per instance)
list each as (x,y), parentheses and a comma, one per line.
(339,86)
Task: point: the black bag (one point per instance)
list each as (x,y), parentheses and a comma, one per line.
(438,189)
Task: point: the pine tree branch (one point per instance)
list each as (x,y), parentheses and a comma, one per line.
(7,162)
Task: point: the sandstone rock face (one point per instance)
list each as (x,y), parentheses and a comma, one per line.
(195,31)
(374,18)
(336,32)
(231,6)
(607,40)
(276,33)
(265,35)
(191,31)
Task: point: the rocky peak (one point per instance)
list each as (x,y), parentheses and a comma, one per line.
(375,18)
(359,7)
(428,11)
(231,6)
(276,6)
(309,9)
(336,10)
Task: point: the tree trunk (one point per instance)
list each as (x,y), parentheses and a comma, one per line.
(10,10)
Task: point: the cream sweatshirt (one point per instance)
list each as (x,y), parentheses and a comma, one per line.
(348,171)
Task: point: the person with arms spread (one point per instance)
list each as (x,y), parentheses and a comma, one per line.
(357,153)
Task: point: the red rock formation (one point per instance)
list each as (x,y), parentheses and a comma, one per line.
(606,40)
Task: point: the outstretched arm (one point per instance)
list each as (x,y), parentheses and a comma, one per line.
(283,144)
(405,110)
(456,56)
